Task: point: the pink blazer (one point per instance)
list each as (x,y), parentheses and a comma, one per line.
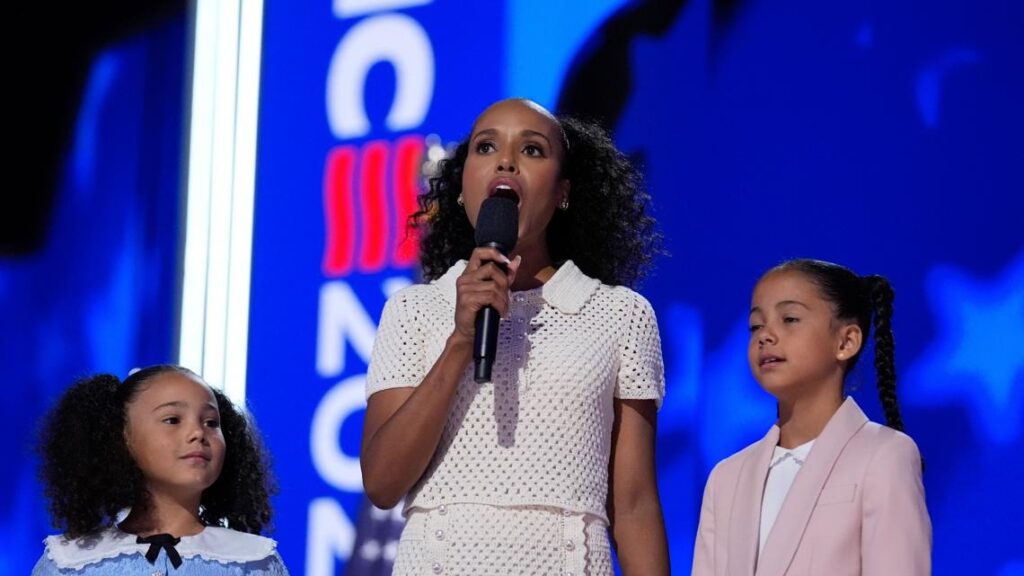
(856,507)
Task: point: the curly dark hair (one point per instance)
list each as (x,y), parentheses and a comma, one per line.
(606,231)
(862,299)
(89,475)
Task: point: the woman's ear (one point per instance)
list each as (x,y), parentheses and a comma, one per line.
(850,341)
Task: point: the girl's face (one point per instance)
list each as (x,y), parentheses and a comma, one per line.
(516,150)
(173,433)
(796,343)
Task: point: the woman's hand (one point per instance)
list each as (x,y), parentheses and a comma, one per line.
(484,282)
(403,426)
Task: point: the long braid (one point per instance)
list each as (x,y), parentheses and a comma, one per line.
(861,299)
(880,295)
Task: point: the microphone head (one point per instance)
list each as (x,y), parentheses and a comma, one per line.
(497,224)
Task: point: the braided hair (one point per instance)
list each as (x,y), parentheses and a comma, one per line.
(865,300)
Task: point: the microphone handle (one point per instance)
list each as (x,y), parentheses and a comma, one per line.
(485,338)
(485,343)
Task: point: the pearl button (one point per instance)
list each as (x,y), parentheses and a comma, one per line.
(439,534)
(437,568)
(569,545)
(442,509)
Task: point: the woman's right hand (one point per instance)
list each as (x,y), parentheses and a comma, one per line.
(484,282)
(403,426)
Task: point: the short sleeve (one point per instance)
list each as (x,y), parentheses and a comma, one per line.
(45,567)
(270,566)
(399,349)
(641,369)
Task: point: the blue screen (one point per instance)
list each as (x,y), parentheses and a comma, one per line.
(883,136)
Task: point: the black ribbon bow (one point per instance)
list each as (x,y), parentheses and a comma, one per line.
(158,541)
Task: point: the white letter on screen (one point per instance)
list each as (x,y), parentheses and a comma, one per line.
(334,466)
(342,319)
(393,38)
(330,536)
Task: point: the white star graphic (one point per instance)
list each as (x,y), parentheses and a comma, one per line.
(977,357)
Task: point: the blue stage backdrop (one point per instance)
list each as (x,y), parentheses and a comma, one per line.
(100,294)
(879,136)
(886,136)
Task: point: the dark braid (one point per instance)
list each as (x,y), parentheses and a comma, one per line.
(880,294)
(860,299)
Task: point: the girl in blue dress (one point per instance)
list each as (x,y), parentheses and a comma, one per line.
(158,474)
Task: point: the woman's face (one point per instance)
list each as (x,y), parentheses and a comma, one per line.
(516,150)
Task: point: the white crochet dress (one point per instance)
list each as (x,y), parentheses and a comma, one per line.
(519,480)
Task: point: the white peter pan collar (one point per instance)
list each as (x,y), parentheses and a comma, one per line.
(213,543)
(568,289)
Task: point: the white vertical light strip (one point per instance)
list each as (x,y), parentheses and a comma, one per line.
(197,208)
(247,119)
(221,188)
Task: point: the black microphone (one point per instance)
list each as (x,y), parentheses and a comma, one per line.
(497,226)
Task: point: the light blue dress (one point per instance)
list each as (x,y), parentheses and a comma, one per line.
(215,551)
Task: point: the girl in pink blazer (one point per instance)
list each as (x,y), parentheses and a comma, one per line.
(826,491)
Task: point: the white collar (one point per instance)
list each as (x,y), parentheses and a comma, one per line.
(567,290)
(797,455)
(213,543)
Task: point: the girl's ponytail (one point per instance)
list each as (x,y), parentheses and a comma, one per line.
(880,296)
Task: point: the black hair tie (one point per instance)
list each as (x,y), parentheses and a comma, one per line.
(158,541)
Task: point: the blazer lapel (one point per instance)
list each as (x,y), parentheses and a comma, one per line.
(796,510)
(746,510)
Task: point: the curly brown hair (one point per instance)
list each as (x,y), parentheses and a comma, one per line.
(89,475)
(607,231)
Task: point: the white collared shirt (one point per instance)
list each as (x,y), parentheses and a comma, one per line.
(781,474)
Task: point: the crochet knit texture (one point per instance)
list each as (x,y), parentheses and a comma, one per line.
(540,433)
